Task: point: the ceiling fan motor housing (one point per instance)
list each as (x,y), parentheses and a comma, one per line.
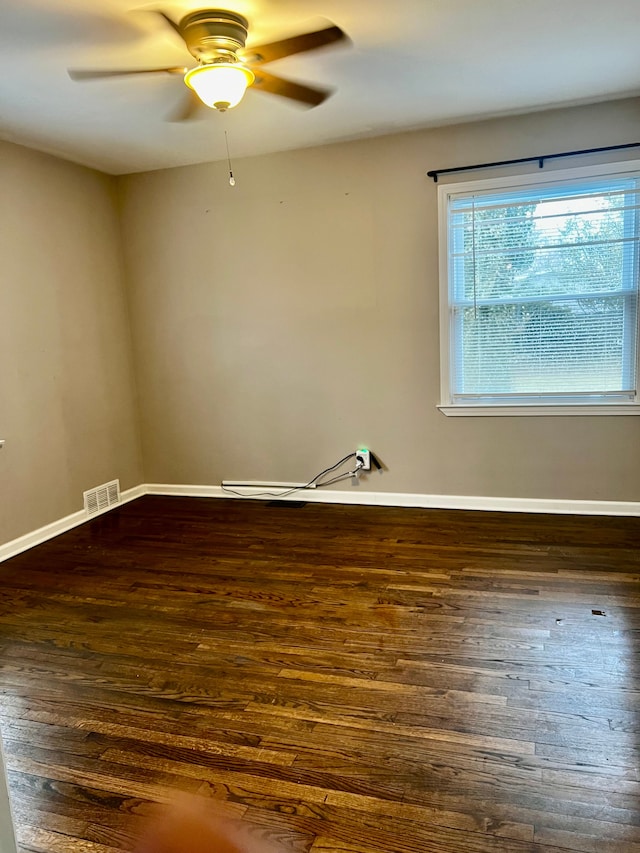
(214,34)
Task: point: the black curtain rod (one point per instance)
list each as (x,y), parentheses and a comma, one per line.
(539,160)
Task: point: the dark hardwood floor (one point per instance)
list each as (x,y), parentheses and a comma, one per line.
(352,679)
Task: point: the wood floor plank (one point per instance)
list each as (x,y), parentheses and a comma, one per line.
(47,841)
(341,679)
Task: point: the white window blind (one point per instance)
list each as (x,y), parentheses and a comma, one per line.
(543,293)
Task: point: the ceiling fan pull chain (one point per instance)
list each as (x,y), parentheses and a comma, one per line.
(232,180)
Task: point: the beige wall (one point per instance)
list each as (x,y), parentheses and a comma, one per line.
(280,323)
(67,408)
(277,325)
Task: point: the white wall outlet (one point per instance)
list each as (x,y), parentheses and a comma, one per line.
(363,455)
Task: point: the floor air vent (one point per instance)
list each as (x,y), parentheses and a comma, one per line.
(102,497)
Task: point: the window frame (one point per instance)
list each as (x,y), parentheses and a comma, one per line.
(546,407)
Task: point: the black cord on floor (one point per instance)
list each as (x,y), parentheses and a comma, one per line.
(312,483)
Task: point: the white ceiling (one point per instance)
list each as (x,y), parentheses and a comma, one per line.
(413,63)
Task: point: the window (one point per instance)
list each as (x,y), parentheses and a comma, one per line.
(539,293)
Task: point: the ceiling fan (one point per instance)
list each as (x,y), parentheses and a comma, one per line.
(216,38)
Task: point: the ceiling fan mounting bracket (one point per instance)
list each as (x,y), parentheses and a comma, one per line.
(214,33)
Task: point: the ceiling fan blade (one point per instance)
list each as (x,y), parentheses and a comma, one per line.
(307,95)
(170,21)
(122,72)
(261,53)
(188,108)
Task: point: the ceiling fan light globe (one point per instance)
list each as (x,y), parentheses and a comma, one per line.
(220,85)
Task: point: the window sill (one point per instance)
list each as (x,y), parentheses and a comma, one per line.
(534,411)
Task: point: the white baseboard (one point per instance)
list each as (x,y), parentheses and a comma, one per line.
(354,496)
(42,534)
